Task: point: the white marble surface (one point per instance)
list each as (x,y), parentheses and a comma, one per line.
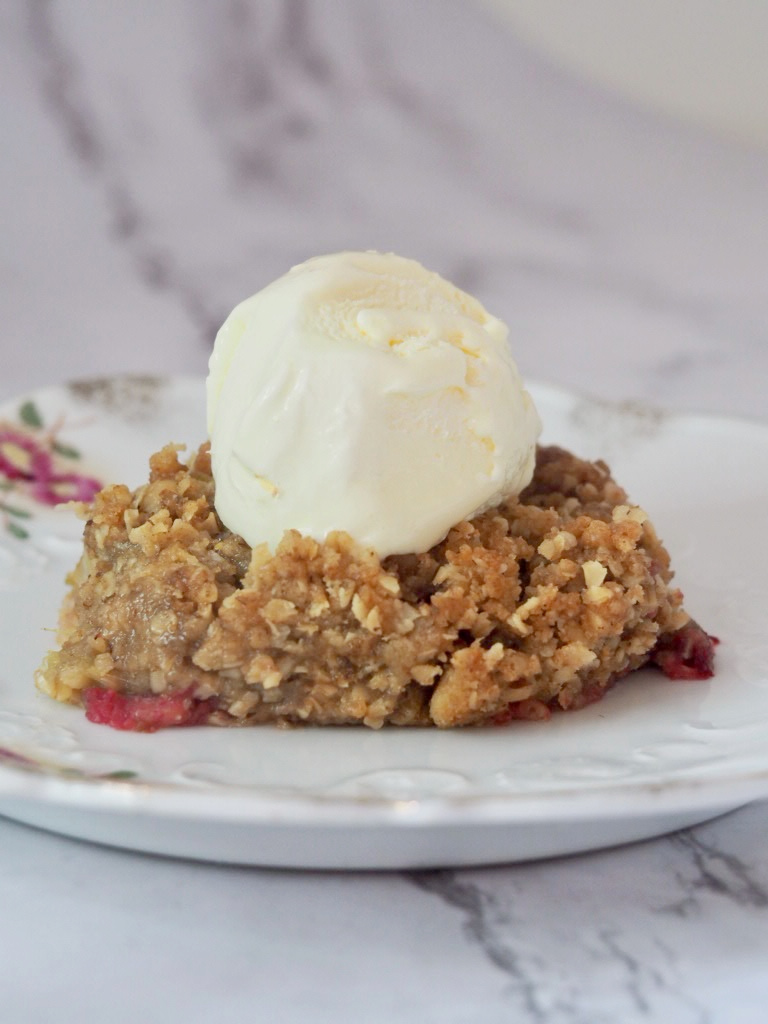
(163,160)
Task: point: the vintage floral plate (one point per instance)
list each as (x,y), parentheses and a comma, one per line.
(654,756)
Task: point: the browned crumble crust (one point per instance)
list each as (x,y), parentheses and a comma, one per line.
(542,602)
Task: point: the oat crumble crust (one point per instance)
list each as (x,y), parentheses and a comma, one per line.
(541,603)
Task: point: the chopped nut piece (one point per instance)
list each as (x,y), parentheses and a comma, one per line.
(594,573)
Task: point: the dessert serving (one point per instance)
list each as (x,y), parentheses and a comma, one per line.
(371,536)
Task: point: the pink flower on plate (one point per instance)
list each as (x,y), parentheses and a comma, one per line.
(38,464)
(61,487)
(29,464)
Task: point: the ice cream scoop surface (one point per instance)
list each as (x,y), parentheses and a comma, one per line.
(362,392)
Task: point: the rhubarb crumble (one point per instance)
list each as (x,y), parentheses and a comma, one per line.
(541,603)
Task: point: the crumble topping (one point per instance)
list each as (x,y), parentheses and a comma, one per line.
(540,603)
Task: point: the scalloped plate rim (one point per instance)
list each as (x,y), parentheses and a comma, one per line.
(236,803)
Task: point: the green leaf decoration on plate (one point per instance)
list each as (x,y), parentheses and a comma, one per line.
(30,415)
(19,513)
(65,450)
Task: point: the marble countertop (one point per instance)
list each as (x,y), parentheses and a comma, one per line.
(163,161)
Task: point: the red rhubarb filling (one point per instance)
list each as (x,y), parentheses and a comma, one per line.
(145,713)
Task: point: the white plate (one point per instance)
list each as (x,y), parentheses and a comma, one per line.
(654,756)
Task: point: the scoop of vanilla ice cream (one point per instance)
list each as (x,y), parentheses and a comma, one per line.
(361,392)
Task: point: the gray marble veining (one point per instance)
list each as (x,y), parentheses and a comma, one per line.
(594,945)
(717,871)
(214,145)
